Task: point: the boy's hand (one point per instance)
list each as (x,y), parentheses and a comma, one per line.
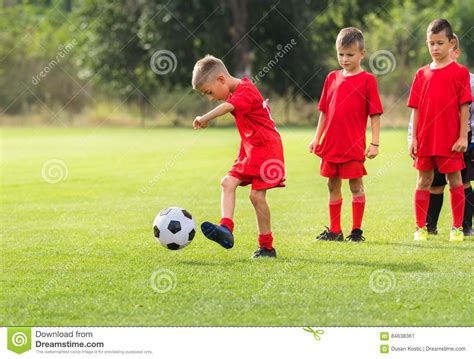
(198,123)
(460,145)
(312,145)
(372,151)
(413,149)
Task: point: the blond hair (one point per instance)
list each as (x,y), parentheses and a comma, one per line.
(207,69)
(349,36)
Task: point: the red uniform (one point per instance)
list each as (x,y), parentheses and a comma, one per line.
(437,94)
(260,161)
(347,101)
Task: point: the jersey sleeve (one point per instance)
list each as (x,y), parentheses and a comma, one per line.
(414,98)
(374,105)
(322,105)
(465,95)
(242,101)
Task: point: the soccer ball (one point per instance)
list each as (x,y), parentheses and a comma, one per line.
(174,228)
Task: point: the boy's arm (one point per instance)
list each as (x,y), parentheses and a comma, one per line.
(410,129)
(413,149)
(461,143)
(373,149)
(319,132)
(222,109)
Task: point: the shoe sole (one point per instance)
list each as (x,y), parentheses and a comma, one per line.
(210,232)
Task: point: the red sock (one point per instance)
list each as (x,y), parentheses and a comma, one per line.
(335,215)
(457,205)
(358,206)
(265,240)
(227,222)
(422,202)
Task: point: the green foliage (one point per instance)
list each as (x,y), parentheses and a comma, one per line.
(113,43)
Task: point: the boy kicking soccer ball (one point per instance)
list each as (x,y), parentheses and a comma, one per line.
(440,98)
(349,97)
(260,160)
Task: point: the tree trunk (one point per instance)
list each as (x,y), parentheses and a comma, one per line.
(239,38)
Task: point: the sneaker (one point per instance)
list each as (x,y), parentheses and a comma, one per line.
(456,235)
(468,232)
(218,234)
(355,236)
(264,252)
(432,231)
(421,234)
(327,235)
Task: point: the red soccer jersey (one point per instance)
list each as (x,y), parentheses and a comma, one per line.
(347,101)
(261,149)
(437,94)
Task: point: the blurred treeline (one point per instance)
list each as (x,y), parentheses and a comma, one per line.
(90,62)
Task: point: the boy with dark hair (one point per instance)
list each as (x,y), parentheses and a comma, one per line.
(440,98)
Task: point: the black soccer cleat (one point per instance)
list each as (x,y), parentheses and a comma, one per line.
(327,235)
(265,253)
(432,230)
(355,236)
(218,234)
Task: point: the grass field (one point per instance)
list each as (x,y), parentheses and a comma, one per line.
(81,251)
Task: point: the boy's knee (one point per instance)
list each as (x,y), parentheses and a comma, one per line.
(424,182)
(227,183)
(256,197)
(357,188)
(334,186)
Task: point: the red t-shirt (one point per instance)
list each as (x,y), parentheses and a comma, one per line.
(347,101)
(260,139)
(437,94)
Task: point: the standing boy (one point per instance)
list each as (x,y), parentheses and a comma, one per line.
(440,98)
(349,97)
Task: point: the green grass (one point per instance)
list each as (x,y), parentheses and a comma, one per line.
(81,251)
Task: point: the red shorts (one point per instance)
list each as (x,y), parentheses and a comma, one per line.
(443,164)
(274,178)
(346,170)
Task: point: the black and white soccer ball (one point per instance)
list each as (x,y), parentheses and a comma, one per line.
(174,228)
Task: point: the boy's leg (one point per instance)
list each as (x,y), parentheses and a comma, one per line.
(468,207)
(456,188)
(228,186)
(262,211)
(358,202)
(335,204)
(434,208)
(222,233)
(422,197)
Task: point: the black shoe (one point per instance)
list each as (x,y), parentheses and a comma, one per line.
(468,232)
(218,234)
(355,236)
(327,235)
(263,252)
(432,231)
